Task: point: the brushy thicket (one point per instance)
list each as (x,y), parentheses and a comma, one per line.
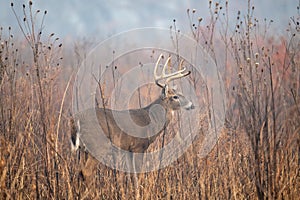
(257,155)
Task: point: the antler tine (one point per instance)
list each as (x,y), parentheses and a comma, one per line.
(163,73)
(181,63)
(175,75)
(179,74)
(156,77)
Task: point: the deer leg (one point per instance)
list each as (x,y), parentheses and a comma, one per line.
(88,170)
(136,169)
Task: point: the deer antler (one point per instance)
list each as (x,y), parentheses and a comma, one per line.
(175,75)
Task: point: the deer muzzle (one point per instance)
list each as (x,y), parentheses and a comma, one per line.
(189,106)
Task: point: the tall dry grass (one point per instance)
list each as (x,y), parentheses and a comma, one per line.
(256,157)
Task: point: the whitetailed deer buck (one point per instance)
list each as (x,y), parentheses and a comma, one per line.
(169,99)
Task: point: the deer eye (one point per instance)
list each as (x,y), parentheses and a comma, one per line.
(175,97)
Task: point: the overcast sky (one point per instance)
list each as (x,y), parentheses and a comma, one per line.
(102,18)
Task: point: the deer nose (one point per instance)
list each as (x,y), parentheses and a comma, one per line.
(189,106)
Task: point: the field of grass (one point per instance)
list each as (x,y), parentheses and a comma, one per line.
(257,155)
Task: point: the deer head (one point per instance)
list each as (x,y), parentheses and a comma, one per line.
(171,99)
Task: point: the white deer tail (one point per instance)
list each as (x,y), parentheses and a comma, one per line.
(75,141)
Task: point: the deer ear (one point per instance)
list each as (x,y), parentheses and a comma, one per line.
(164,92)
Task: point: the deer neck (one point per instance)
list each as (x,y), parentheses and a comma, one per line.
(160,110)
